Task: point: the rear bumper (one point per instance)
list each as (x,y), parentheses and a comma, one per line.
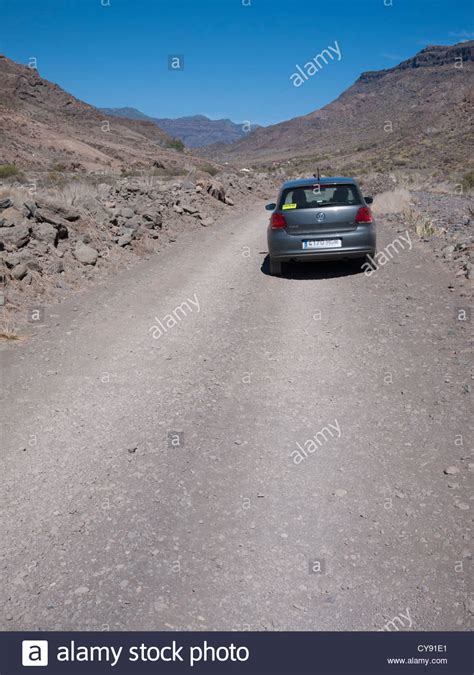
(355,244)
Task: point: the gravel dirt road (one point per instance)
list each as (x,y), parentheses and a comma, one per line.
(110,521)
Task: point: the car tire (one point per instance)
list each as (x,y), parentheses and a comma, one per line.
(276,267)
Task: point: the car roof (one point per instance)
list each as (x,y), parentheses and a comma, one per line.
(317,181)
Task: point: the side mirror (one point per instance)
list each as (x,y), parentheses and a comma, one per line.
(368,200)
(270,207)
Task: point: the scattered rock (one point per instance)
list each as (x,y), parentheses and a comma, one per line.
(153,219)
(85,254)
(18,236)
(54,213)
(30,208)
(38,247)
(127,212)
(94,208)
(12,259)
(189,208)
(57,266)
(45,232)
(339,493)
(448,251)
(216,190)
(19,271)
(451,470)
(5,203)
(126,238)
(10,216)
(28,257)
(134,223)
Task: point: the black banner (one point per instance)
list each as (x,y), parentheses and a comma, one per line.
(285,653)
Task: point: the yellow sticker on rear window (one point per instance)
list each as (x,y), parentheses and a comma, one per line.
(289,206)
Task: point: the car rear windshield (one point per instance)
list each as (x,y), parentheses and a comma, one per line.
(316,196)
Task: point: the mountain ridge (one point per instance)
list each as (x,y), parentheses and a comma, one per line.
(44,126)
(404,113)
(195,131)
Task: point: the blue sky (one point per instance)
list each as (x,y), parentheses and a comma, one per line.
(238,54)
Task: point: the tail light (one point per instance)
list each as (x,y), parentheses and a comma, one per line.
(364,215)
(277,221)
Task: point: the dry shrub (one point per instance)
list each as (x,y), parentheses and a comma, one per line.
(392,201)
(8,329)
(72,193)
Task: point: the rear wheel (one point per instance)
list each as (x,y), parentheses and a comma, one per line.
(368,258)
(275,267)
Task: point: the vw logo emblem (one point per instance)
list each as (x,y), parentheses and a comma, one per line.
(320,217)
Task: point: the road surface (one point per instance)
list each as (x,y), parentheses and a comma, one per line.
(155,479)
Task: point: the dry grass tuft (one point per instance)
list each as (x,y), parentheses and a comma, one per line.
(8,331)
(393,201)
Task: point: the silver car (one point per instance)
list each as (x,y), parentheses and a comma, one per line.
(320,219)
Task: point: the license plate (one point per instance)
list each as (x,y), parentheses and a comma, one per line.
(322,243)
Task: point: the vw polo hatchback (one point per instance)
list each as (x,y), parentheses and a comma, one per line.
(320,219)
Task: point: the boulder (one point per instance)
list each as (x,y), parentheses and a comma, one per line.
(55,213)
(127,212)
(18,236)
(39,247)
(57,266)
(19,271)
(45,232)
(126,238)
(94,208)
(216,190)
(5,203)
(133,223)
(12,259)
(85,254)
(10,216)
(31,261)
(152,220)
(189,208)
(30,207)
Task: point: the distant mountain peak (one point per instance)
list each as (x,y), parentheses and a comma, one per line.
(193,130)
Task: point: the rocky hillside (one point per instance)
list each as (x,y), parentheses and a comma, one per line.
(59,239)
(195,131)
(44,127)
(416,114)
